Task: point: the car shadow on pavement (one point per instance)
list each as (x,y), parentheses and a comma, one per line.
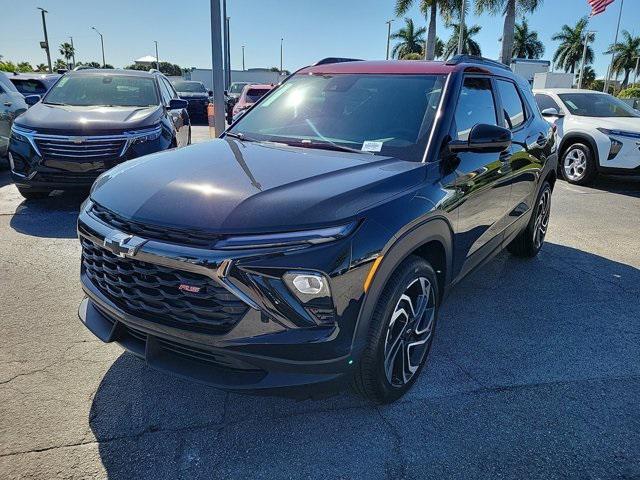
(624,185)
(535,368)
(53,217)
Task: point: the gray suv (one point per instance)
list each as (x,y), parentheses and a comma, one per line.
(12,104)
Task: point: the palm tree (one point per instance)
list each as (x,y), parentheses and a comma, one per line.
(439,50)
(588,77)
(41,67)
(508,8)
(569,52)
(411,40)
(624,55)
(430,8)
(469,45)
(67,51)
(526,43)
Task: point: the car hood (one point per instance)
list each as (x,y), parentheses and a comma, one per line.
(228,186)
(614,123)
(88,120)
(192,95)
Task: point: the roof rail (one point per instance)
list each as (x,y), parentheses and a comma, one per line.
(324,61)
(457,59)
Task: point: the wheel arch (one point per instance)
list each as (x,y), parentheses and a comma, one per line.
(431,240)
(578,137)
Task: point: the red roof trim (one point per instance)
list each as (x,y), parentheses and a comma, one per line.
(406,67)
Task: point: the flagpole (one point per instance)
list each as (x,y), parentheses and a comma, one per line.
(613,56)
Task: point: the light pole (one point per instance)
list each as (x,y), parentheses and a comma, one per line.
(635,77)
(73,52)
(46,38)
(613,56)
(243,58)
(388,22)
(227,51)
(584,56)
(102,45)
(217,68)
(461,31)
(157,58)
(281,40)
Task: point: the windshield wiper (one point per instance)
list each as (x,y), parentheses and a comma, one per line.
(326,142)
(57,103)
(240,136)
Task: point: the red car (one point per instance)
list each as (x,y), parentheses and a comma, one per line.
(250,95)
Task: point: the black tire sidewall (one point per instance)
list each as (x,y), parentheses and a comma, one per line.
(591,166)
(411,268)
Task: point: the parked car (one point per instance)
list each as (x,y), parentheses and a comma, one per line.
(598,133)
(313,244)
(34,83)
(250,95)
(12,104)
(197,95)
(90,121)
(231,98)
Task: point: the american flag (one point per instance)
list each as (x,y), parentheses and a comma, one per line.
(598,6)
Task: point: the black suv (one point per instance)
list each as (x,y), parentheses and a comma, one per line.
(90,121)
(198,97)
(312,245)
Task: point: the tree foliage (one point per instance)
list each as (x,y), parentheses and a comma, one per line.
(625,54)
(469,45)
(631,92)
(411,40)
(526,43)
(568,55)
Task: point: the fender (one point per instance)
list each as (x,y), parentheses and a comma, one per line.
(399,248)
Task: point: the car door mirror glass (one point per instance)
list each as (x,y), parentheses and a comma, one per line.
(31,99)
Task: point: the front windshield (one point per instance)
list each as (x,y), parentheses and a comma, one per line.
(237,87)
(190,87)
(107,90)
(381,114)
(596,105)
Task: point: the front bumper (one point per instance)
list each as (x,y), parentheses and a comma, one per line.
(273,348)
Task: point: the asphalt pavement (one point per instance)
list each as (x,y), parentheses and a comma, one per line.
(534,372)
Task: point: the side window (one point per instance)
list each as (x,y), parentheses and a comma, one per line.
(172,93)
(164,92)
(475,105)
(545,101)
(514,115)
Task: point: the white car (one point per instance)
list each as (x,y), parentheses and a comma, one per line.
(598,133)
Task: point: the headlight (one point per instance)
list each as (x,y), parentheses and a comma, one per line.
(21,134)
(309,237)
(142,136)
(619,133)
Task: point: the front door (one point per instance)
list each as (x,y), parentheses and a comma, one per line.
(480,180)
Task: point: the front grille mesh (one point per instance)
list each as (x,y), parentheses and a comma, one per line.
(90,149)
(152,291)
(165,234)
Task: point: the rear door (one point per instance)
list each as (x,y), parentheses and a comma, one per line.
(479,179)
(180,118)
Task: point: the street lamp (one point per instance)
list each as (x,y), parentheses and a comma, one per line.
(281,40)
(102,45)
(587,37)
(635,77)
(157,58)
(46,38)
(243,58)
(73,52)
(461,32)
(388,22)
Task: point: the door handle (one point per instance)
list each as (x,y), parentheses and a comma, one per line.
(7,104)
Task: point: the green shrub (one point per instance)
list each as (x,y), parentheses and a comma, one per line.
(631,92)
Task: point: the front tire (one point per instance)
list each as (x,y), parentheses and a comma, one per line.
(529,242)
(401,333)
(578,164)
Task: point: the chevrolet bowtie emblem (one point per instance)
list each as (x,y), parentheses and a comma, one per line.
(122,244)
(78,139)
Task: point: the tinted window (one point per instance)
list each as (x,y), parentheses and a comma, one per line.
(237,87)
(30,87)
(596,105)
(108,90)
(475,105)
(166,93)
(7,86)
(545,101)
(512,107)
(191,87)
(385,114)
(172,91)
(255,94)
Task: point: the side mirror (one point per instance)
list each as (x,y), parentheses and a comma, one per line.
(177,104)
(483,138)
(31,99)
(210,92)
(226,93)
(551,112)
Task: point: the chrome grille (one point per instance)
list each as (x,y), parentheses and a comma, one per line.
(54,147)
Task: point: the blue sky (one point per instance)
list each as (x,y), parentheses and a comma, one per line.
(311,29)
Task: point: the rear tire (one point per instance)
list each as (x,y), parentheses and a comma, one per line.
(398,343)
(529,242)
(30,194)
(578,164)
